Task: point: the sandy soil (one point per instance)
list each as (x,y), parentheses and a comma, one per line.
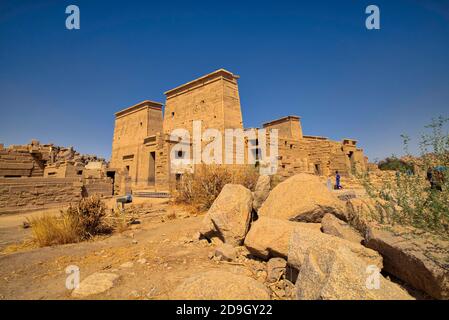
(161,251)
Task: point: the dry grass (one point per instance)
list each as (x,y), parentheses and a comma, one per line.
(246,176)
(275,180)
(171,215)
(18,247)
(201,188)
(88,217)
(49,230)
(79,222)
(120,221)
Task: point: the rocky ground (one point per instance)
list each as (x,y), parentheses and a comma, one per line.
(297,241)
(150,259)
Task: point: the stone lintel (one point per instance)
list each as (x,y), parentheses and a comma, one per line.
(281,120)
(315,137)
(220,73)
(141,105)
(349,141)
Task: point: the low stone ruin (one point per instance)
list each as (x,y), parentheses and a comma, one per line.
(37,176)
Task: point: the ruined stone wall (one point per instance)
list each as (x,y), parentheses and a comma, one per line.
(360,161)
(42,160)
(19,194)
(339,160)
(64,170)
(95,186)
(18,161)
(293,157)
(122,183)
(327,156)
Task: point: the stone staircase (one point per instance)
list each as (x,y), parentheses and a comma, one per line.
(151,194)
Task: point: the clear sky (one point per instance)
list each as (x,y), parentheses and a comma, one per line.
(314,59)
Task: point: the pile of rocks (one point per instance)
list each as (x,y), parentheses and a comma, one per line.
(300,232)
(61,155)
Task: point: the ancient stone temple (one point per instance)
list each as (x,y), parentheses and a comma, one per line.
(39,176)
(142,145)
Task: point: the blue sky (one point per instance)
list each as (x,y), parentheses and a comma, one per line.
(314,59)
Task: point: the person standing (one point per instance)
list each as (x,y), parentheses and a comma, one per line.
(337,180)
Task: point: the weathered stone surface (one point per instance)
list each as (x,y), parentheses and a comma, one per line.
(95,283)
(127,265)
(275,269)
(226,252)
(304,239)
(328,274)
(217,241)
(37,193)
(216,104)
(270,237)
(220,285)
(292,240)
(418,261)
(230,215)
(331,225)
(261,191)
(360,212)
(302,197)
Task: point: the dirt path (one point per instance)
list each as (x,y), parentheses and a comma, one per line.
(152,258)
(11,226)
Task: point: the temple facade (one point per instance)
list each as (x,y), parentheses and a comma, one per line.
(142,147)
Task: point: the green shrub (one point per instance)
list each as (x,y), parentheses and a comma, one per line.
(393,163)
(408,199)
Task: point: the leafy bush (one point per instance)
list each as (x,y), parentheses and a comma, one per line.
(202,187)
(408,199)
(393,163)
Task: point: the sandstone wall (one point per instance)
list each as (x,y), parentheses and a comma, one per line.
(93,186)
(288,127)
(163,174)
(132,126)
(213,99)
(293,157)
(328,156)
(141,144)
(19,194)
(19,161)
